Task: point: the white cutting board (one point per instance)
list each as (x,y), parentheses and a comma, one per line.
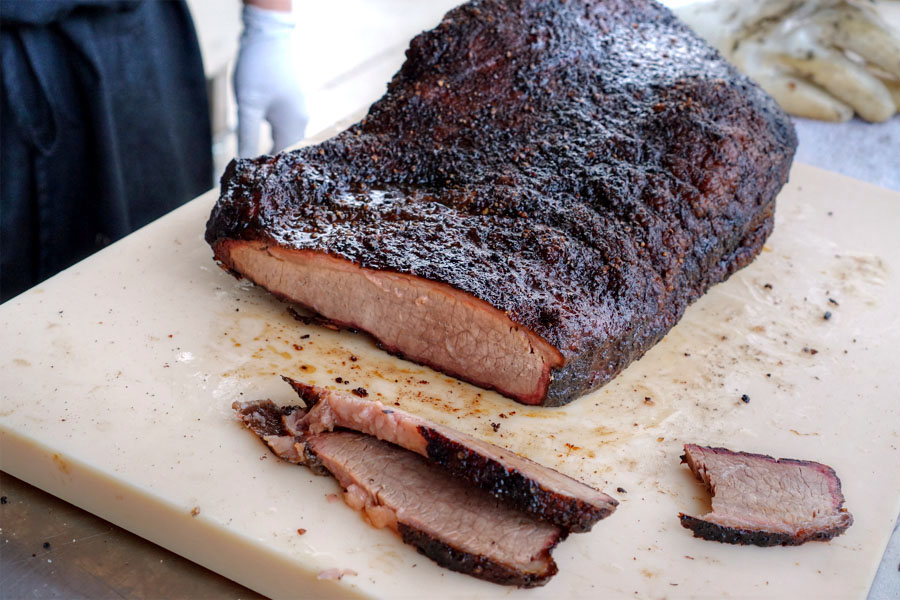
(117,378)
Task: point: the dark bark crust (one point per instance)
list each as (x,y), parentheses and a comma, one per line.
(513,486)
(750,537)
(588,167)
(478,566)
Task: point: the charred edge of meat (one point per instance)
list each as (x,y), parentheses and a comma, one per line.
(266,420)
(510,485)
(307,393)
(262,417)
(479,566)
(749,537)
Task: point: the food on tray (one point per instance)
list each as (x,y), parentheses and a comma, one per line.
(446,517)
(766,502)
(532,205)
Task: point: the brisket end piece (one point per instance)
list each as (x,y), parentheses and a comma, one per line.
(266,420)
(529,486)
(542,191)
(762,501)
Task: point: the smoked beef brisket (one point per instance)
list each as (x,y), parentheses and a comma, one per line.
(524,484)
(454,523)
(765,502)
(544,188)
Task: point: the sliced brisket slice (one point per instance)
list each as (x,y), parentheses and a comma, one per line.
(542,191)
(456,525)
(527,485)
(453,523)
(759,500)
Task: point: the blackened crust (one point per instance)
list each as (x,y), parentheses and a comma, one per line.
(477,566)
(589,168)
(749,537)
(513,486)
(262,417)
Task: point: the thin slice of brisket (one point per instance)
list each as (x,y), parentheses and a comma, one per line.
(455,524)
(759,500)
(542,191)
(525,484)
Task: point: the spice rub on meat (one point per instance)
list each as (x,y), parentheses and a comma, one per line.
(542,191)
(457,525)
(759,500)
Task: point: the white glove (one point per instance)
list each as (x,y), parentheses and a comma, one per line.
(266,82)
(822,59)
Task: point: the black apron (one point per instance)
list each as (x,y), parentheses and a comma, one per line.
(105,127)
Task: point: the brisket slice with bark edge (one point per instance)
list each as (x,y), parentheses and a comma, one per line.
(455,524)
(765,502)
(527,485)
(542,191)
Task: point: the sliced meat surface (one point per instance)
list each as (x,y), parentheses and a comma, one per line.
(455,524)
(525,484)
(542,191)
(759,500)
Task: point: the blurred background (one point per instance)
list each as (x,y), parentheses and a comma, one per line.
(349,49)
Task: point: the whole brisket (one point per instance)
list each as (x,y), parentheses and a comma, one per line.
(543,189)
(765,502)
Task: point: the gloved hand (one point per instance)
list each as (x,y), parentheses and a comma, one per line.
(266,83)
(822,59)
